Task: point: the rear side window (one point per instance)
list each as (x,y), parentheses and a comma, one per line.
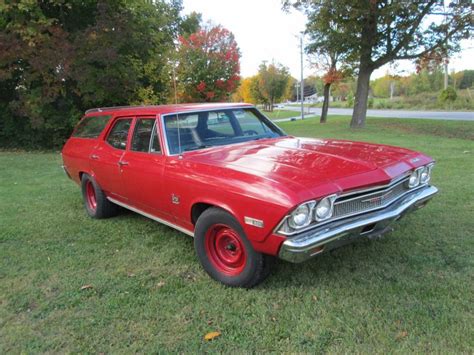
(91,127)
(118,134)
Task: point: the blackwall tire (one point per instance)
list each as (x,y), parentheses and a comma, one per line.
(96,203)
(225,252)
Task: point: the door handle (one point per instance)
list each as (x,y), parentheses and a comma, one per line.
(94,157)
(122,163)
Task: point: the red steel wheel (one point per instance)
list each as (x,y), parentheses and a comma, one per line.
(225,252)
(90,195)
(225,249)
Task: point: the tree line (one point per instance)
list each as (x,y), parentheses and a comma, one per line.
(60,58)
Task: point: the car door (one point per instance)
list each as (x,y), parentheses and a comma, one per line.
(143,167)
(106,159)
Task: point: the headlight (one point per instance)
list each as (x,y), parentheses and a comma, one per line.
(414,179)
(324,208)
(300,217)
(306,214)
(420,176)
(425,175)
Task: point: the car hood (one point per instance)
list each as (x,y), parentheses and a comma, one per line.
(299,163)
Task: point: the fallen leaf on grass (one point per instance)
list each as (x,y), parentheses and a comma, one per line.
(160,284)
(86,287)
(402,335)
(315,299)
(130,274)
(211,335)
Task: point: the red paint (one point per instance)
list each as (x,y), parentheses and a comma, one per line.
(90,195)
(262,179)
(225,249)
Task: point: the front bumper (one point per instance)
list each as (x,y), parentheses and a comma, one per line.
(306,245)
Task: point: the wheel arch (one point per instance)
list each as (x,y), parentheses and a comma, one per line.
(198,207)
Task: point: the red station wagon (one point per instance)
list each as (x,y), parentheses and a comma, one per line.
(246,191)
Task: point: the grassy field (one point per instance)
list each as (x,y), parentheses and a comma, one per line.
(144,291)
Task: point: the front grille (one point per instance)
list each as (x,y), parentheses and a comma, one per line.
(356,203)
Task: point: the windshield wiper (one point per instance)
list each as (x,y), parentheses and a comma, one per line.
(197,147)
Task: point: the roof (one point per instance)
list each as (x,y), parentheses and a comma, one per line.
(161,109)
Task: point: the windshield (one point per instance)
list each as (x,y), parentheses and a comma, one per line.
(205,129)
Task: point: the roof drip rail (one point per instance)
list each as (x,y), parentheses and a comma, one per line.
(100,109)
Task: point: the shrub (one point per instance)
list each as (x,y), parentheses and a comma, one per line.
(350,100)
(447,95)
(370,102)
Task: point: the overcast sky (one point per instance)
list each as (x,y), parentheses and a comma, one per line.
(264,32)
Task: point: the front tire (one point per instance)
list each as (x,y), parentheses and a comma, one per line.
(225,252)
(96,203)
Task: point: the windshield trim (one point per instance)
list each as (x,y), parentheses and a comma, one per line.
(230,107)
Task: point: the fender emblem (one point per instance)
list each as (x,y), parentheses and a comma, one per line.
(253,222)
(175,199)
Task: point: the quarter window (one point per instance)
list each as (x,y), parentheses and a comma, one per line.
(118,134)
(91,127)
(142,134)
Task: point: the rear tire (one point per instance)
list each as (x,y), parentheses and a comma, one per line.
(96,203)
(225,252)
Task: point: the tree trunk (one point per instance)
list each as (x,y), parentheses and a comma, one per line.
(324,111)
(361,97)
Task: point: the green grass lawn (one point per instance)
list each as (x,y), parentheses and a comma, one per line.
(409,292)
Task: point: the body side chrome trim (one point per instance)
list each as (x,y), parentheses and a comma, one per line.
(162,221)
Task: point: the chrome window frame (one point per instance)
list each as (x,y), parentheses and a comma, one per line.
(153,130)
(111,127)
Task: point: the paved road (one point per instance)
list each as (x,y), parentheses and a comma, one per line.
(432,115)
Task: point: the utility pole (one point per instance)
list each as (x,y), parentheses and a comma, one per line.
(302,81)
(446,60)
(297,92)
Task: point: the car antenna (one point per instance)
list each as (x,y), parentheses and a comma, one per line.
(177,118)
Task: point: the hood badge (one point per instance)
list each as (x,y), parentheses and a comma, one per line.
(415,160)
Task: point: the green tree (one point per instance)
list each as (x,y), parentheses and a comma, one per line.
(378,32)
(58,58)
(272,83)
(330,52)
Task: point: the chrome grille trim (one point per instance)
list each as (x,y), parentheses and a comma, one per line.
(366,202)
(362,193)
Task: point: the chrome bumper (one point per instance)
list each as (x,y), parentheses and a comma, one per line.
(306,245)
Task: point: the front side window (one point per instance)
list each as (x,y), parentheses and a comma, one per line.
(197,130)
(142,134)
(117,137)
(91,127)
